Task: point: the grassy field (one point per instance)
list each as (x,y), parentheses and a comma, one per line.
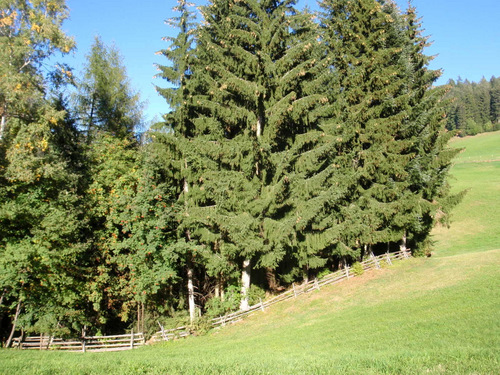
(438,315)
(476,221)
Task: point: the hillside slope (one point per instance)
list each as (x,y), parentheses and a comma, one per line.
(427,315)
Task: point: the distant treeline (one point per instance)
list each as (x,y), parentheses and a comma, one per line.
(474,107)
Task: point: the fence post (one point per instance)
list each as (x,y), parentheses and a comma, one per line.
(294,291)
(84,344)
(163,336)
(388,259)
(132,338)
(21,339)
(346,268)
(316,284)
(261,305)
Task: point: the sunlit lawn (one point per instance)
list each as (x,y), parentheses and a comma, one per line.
(438,315)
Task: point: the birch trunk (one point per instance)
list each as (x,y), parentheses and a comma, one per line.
(191,305)
(9,340)
(192,310)
(2,126)
(402,245)
(245,285)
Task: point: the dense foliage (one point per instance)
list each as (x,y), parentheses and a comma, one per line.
(295,143)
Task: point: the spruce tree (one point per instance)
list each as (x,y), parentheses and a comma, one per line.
(174,133)
(425,128)
(384,111)
(368,107)
(253,59)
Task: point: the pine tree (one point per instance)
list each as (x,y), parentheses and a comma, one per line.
(253,60)
(108,112)
(105,101)
(179,128)
(369,104)
(425,128)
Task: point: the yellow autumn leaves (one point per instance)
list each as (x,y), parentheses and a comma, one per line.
(6,19)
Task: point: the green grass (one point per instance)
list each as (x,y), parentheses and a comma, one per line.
(482,147)
(476,220)
(438,315)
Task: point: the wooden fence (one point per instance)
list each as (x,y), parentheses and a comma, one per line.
(170,334)
(85,344)
(133,340)
(296,290)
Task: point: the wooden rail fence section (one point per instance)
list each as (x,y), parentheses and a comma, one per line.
(133,340)
(85,344)
(296,290)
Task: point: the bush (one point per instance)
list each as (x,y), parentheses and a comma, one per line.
(256,294)
(357,269)
(216,306)
(324,273)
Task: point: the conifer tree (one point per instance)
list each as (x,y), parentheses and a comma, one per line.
(425,129)
(176,131)
(384,111)
(368,107)
(253,59)
(105,100)
(108,112)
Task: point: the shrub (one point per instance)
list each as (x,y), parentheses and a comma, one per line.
(357,269)
(324,273)
(217,306)
(255,294)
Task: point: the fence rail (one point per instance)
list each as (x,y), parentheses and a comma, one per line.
(132,340)
(85,344)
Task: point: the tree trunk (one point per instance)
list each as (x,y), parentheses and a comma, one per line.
(305,274)
(3,295)
(91,119)
(1,304)
(245,284)
(364,251)
(2,126)
(9,340)
(271,279)
(191,304)
(402,245)
(219,288)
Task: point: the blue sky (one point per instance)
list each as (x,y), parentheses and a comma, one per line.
(465,35)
